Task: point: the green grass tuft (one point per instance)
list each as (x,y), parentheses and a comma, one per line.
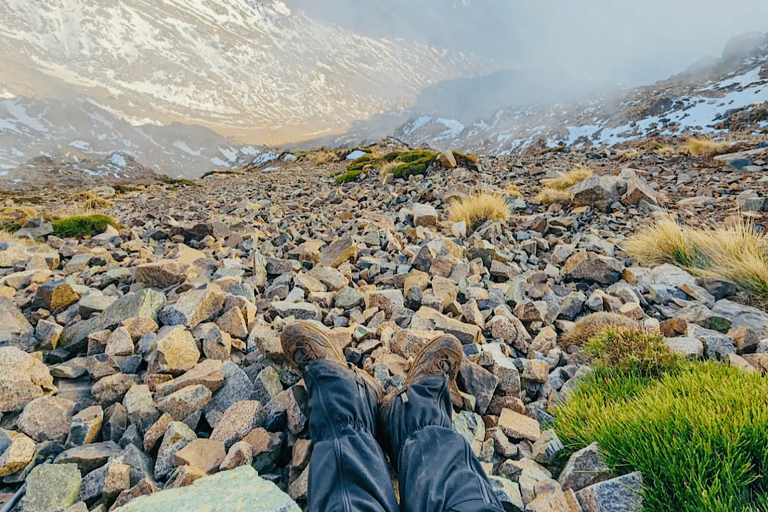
(698,435)
(85,225)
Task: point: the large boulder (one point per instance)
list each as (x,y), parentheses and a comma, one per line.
(238,489)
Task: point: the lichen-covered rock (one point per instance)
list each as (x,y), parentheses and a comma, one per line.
(51,488)
(47,418)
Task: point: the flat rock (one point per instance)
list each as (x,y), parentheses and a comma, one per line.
(424,215)
(89,457)
(237,421)
(207,372)
(163,273)
(17,455)
(742,315)
(427,319)
(51,488)
(238,489)
(237,387)
(338,252)
(206,454)
(519,426)
(185,401)
(298,310)
(23,378)
(690,348)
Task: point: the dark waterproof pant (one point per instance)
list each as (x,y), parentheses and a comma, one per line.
(348,473)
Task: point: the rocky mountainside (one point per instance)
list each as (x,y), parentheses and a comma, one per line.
(147,357)
(85,74)
(712,96)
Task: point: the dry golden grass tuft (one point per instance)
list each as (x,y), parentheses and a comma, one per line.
(595,324)
(513,190)
(386,169)
(6,237)
(704,147)
(553,196)
(479,207)
(15,216)
(323,156)
(91,201)
(734,252)
(569,179)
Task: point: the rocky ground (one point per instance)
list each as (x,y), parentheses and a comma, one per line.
(147,357)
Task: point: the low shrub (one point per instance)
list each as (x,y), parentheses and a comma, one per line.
(632,350)
(84,225)
(592,325)
(699,436)
(478,208)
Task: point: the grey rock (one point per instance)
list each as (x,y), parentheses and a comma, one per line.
(14,327)
(690,348)
(51,488)
(479,383)
(620,494)
(193,307)
(89,457)
(176,437)
(298,310)
(143,303)
(237,386)
(585,467)
(742,315)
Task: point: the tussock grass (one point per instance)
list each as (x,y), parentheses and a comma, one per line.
(91,201)
(632,350)
(569,179)
(513,190)
(698,435)
(553,196)
(477,208)
(734,252)
(323,156)
(704,147)
(80,226)
(14,217)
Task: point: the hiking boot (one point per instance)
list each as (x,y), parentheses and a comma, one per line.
(304,342)
(442,355)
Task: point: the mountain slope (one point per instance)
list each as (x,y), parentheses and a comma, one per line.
(249,69)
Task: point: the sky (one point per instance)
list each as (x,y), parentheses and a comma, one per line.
(607,41)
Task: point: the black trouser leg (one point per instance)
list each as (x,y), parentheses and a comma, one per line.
(437,469)
(348,471)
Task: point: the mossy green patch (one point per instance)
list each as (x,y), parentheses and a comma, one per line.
(84,225)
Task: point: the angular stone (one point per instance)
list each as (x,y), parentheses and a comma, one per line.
(185,401)
(479,383)
(690,348)
(193,307)
(620,494)
(547,447)
(174,351)
(184,476)
(511,330)
(298,310)
(155,432)
(85,426)
(117,480)
(233,323)
(237,421)
(51,488)
(207,372)
(265,447)
(144,303)
(639,190)
(508,493)
(518,426)
(503,368)
(176,437)
(119,343)
(90,456)
(241,454)
(22,379)
(330,277)
(163,273)
(140,407)
(47,418)
(535,370)
(585,467)
(205,454)
(716,345)
(229,490)
(12,254)
(424,215)
(48,334)
(338,252)
(112,389)
(14,328)
(549,498)
(18,455)
(427,319)
(597,191)
(590,267)
(237,387)
(145,487)
(55,295)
